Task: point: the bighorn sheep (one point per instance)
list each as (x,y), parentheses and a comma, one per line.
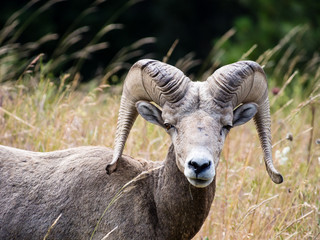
(170,199)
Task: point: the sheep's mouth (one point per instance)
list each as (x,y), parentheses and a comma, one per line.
(199,183)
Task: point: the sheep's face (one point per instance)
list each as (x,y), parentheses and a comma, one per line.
(198,140)
(198,128)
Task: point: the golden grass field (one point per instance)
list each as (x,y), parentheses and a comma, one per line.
(37,115)
(41,112)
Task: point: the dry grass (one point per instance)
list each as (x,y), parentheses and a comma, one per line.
(39,116)
(36,114)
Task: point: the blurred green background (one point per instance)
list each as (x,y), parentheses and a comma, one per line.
(90,37)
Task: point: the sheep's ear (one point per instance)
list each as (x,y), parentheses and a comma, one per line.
(244,113)
(150,112)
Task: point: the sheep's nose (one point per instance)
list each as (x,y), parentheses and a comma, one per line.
(199,165)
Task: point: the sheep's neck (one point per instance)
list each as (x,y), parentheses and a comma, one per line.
(181,208)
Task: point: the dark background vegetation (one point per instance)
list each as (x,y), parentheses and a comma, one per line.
(197,24)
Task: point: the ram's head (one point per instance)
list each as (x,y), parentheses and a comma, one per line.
(197,115)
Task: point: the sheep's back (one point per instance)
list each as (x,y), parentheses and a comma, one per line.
(35,188)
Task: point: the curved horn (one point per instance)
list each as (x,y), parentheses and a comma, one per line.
(148,80)
(244,82)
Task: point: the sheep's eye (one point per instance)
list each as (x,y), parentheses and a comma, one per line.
(168,126)
(227,127)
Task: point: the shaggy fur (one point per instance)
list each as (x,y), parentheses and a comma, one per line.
(36,188)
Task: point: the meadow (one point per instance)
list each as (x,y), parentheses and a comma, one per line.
(37,115)
(40,112)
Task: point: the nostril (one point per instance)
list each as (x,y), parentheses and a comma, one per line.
(194,164)
(199,165)
(205,165)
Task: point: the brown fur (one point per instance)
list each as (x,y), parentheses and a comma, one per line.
(35,188)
